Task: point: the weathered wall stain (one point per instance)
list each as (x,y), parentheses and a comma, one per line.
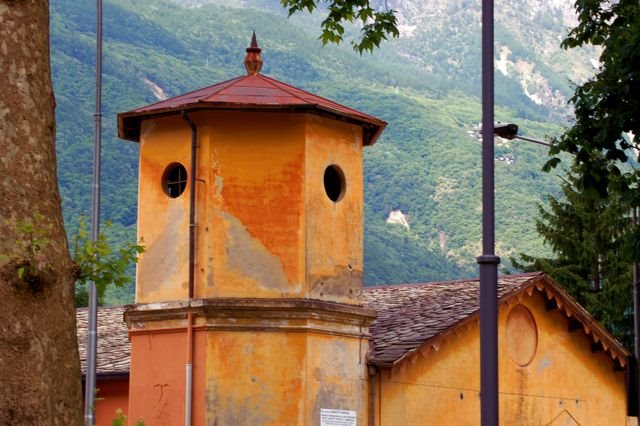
(255,378)
(336,381)
(249,256)
(163,222)
(344,284)
(165,259)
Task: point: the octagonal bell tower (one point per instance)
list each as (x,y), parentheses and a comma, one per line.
(248,297)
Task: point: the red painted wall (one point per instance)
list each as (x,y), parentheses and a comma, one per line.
(112,394)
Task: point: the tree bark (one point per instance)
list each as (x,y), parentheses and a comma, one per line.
(40,380)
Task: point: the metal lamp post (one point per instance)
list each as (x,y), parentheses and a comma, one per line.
(488,261)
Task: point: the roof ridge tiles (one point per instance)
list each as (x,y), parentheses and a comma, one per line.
(458,281)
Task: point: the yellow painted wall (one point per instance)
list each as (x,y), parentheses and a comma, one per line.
(564,382)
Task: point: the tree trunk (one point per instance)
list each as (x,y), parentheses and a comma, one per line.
(39,363)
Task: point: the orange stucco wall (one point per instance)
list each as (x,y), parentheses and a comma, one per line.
(254,206)
(334,257)
(247,378)
(157,377)
(564,382)
(163,222)
(265,226)
(265,229)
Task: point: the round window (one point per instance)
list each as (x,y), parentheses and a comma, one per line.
(334,183)
(174,180)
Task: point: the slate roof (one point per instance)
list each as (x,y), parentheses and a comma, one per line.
(411,317)
(414,317)
(114,349)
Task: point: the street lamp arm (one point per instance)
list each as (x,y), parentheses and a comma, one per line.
(538,141)
(510,131)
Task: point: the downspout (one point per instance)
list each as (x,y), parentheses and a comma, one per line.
(373,375)
(188,397)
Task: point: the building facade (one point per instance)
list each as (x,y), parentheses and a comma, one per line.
(250,305)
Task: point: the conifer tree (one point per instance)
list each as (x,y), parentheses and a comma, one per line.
(589,236)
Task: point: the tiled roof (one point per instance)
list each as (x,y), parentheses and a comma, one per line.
(114,350)
(249,92)
(413,316)
(410,317)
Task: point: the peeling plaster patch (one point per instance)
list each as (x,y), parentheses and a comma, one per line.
(249,256)
(544,363)
(164,253)
(219,186)
(234,409)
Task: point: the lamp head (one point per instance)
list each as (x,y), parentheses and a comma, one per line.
(505,130)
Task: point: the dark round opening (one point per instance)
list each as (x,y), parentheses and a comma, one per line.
(334,184)
(175,180)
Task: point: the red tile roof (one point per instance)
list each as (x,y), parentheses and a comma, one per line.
(114,349)
(254,92)
(410,318)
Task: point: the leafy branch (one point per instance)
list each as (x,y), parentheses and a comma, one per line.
(377,25)
(93,261)
(97,261)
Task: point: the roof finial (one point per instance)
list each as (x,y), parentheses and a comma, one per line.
(253,60)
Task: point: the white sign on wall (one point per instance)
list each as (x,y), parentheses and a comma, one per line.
(337,417)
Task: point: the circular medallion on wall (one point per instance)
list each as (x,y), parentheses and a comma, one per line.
(521,335)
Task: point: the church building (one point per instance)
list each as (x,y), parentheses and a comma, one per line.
(250,307)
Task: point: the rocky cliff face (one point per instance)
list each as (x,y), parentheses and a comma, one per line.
(528,34)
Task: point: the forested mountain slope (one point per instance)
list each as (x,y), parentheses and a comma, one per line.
(426,166)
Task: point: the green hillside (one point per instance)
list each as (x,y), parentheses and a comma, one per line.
(426,164)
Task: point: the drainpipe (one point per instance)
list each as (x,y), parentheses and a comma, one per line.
(192,239)
(373,375)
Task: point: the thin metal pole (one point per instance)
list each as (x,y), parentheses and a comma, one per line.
(188,408)
(636,295)
(488,261)
(92,338)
